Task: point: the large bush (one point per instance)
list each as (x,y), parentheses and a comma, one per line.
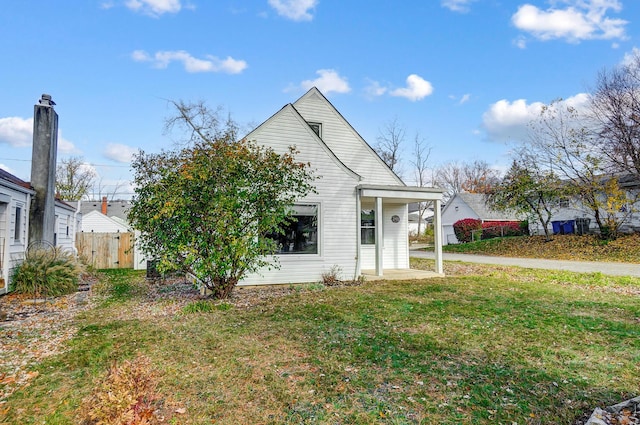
(498,229)
(47,272)
(464,228)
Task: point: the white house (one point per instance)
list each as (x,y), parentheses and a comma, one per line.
(110,217)
(358,218)
(15,200)
(469,205)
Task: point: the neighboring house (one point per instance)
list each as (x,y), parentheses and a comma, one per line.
(358,218)
(469,205)
(110,217)
(414,219)
(15,202)
(571,215)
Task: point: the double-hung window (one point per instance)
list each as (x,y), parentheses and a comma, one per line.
(368,227)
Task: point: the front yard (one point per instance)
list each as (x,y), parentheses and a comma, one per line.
(486,345)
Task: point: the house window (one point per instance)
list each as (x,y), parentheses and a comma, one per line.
(316,127)
(18,228)
(368,227)
(300,235)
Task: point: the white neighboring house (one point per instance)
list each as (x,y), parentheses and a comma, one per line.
(358,218)
(110,217)
(15,202)
(469,205)
(414,218)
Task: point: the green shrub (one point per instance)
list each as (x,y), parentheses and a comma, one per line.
(47,273)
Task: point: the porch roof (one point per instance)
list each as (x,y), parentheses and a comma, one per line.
(401,194)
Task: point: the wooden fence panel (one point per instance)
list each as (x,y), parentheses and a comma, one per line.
(106,250)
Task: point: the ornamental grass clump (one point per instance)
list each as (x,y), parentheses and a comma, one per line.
(47,272)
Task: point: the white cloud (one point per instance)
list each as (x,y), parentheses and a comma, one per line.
(464,99)
(457,5)
(65,146)
(154,8)
(417,89)
(16,131)
(191,64)
(630,58)
(119,152)
(374,89)
(296,10)
(328,81)
(509,121)
(580,20)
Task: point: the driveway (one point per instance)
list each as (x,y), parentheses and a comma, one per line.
(616,269)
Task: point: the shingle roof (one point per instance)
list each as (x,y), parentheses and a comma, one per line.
(476,202)
(4,175)
(117,208)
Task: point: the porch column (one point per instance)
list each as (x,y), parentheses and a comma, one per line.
(379,236)
(437,236)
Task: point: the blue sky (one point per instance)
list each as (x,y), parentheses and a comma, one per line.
(466,75)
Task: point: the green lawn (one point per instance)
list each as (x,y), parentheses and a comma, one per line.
(561,247)
(499,346)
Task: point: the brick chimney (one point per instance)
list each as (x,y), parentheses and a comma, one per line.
(104,205)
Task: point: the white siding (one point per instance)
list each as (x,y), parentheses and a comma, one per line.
(13,250)
(65,228)
(344,141)
(455,210)
(336,198)
(395,251)
(95,221)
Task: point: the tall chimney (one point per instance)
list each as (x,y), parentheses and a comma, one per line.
(104,205)
(43,171)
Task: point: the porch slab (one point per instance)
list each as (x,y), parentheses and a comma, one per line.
(400,274)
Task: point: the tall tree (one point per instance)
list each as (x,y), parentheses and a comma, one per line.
(450,178)
(420,163)
(74,178)
(527,189)
(615,104)
(389,144)
(207,208)
(561,139)
(479,177)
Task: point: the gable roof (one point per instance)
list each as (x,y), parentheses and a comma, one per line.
(115,208)
(477,202)
(315,94)
(290,108)
(8,177)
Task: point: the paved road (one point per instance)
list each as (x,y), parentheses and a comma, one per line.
(616,269)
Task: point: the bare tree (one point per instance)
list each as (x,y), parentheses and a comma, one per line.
(74,178)
(561,139)
(196,121)
(450,178)
(420,163)
(110,191)
(615,104)
(479,177)
(389,144)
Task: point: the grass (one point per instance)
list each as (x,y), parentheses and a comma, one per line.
(498,346)
(561,247)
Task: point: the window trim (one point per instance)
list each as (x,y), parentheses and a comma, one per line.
(319,226)
(372,227)
(18,224)
(314,125)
